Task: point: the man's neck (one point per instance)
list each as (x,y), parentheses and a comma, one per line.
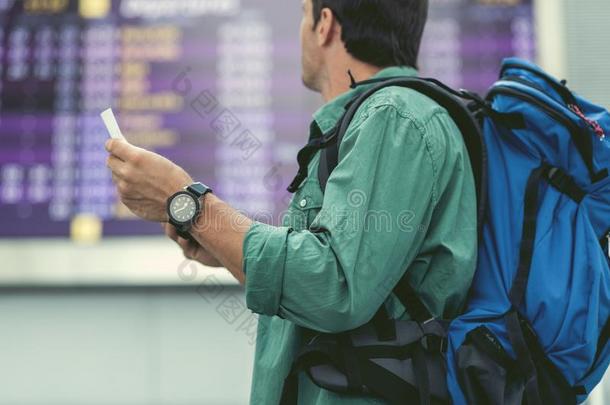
(339,80)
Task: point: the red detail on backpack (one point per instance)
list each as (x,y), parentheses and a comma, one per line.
(599,131)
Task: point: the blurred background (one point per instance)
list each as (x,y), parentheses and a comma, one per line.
(96,307)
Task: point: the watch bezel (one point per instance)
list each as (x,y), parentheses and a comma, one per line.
(172,219)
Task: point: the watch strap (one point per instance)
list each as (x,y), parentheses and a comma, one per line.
(198,189)
(184,234)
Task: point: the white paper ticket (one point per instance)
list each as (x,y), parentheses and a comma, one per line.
(111,124)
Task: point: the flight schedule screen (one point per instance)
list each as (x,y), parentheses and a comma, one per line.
(214,85)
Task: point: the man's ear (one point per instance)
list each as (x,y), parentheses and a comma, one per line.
(327,27)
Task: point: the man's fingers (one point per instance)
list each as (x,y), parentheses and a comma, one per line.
(115,178)
(189,249)
(121,149)
(170,231)
(116,165)
(184,243)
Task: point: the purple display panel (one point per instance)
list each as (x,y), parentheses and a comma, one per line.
(466,40)
(213,85)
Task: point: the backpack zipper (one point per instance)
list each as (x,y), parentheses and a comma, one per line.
(608,245)
(594,125)
(525,82)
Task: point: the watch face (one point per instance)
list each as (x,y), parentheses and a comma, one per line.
(183,208)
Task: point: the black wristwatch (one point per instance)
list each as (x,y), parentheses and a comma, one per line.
(184,207)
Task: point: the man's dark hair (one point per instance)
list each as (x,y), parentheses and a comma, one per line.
(379,32)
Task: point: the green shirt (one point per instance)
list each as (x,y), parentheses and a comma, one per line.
(401,198)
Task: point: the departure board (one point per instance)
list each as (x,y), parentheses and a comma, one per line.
(214,85)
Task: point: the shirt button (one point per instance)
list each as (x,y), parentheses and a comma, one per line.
(303,203)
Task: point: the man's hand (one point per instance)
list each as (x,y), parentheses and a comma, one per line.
(192,250)
(144,180)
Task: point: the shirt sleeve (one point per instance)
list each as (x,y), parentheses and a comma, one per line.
(377,207)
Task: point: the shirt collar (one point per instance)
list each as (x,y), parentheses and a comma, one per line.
(327,116)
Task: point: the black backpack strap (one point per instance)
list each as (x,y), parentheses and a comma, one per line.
(379,380)
(310,356)
(384,325)
(528,236)
(565,183)
(394,389)
(319,141)
(328,161)
(410,300)
(513,319)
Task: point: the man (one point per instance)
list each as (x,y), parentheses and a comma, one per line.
(402,161)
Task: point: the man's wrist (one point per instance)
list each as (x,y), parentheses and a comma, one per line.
(179,185)
(201,223)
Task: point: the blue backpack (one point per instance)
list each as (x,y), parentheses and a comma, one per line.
(536,326)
